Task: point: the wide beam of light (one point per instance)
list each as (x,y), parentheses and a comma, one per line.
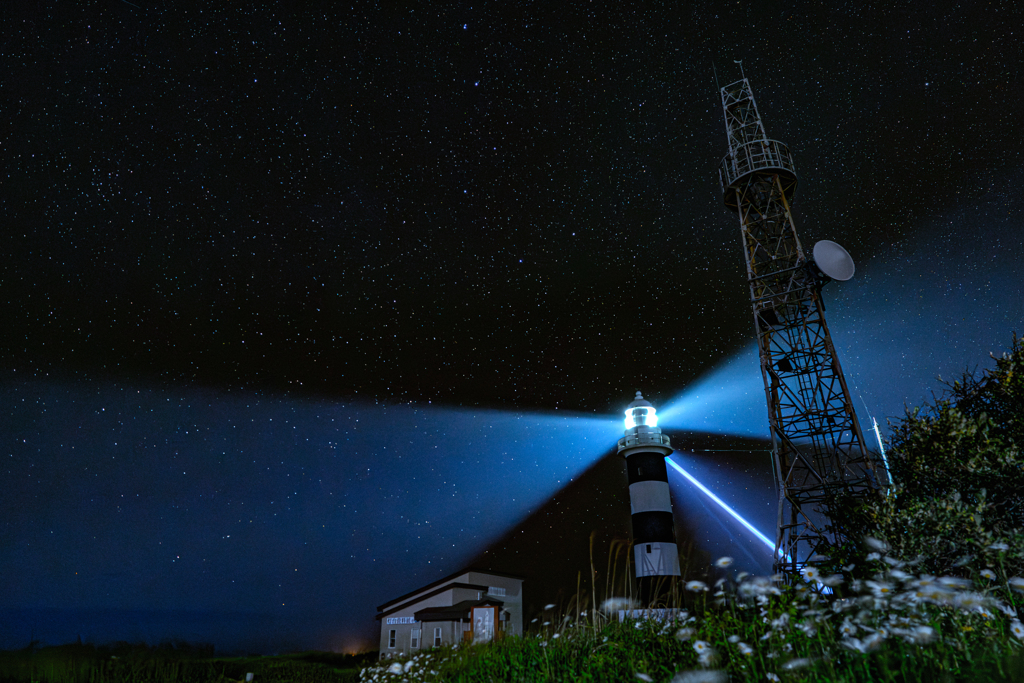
(739,518)
(727,400)
(241,502)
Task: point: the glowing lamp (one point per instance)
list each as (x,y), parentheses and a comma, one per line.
(640,412)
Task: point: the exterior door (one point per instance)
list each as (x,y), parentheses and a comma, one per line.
(484,621)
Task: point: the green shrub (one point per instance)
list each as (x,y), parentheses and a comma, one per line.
(958,469)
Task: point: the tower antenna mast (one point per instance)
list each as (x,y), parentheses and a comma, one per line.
(818,450)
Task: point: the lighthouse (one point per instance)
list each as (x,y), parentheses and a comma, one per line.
(644,447)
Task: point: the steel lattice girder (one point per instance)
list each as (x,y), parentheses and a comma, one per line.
(818,447)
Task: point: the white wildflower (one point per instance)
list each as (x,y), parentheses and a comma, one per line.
(696,586)
(872,557)
(833,581)
(643,677)
(616,604)
(798,663)
(810,573)
(772,677)
(988,574)
(781,622)
(723,562)
(880,589)
(954,582)
(874,640)
(808,630)
(1017,629)
(546,623)
(745,649)
(548,606)
(999,547)
(557,635)
(395,668)
(876,544)
(900,575)
(543,643)
(848,628)
(707,659)
(1005,609)
(701,646)
(854,644)
(699,676)
(1016,583)
(922,635)
(849,567)
(408,666)
(733,639)
(970,601)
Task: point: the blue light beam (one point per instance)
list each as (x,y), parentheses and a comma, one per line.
(749,527)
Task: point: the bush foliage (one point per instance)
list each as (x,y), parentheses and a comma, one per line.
(958,475)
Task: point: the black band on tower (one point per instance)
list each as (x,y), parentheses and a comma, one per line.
(646,467)
(653,527)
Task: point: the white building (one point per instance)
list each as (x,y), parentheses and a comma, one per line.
(470,606)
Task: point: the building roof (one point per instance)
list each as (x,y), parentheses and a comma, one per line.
(461,610)
(402,598)
(420,597)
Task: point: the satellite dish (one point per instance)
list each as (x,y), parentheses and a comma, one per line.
(833,260)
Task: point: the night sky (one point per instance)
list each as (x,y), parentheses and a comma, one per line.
(305,308)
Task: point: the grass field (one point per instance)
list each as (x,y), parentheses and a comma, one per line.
(169,664)
(898,626)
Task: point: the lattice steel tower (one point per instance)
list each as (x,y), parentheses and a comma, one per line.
(817,445)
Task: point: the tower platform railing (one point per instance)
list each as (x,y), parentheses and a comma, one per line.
(644,439)
(759,155)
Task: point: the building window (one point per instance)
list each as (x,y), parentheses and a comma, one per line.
(414,638)
(494,590)
(437,636)
(391,639)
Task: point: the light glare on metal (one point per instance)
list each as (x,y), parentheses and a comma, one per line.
(641,415)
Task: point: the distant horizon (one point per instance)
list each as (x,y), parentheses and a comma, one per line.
(230,633)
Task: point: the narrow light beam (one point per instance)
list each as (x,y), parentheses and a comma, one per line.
(712,496)
(881,447)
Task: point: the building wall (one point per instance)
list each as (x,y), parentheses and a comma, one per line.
(403,632)
(450,631)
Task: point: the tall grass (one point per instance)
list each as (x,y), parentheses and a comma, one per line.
(895,626)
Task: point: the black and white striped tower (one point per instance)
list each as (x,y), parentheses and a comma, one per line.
(655,554)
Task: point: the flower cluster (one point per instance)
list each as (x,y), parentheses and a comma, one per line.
(420,667)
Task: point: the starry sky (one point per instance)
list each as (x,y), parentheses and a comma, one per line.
(305,307)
